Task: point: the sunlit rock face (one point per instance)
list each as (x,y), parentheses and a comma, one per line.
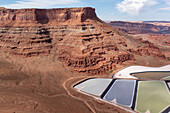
(76,35)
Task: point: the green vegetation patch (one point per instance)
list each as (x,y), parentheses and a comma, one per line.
(152,96)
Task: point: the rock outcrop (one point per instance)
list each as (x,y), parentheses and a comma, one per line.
(76,35)
(28,17)
(139,27)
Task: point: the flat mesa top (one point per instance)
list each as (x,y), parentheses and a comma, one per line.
(51,8)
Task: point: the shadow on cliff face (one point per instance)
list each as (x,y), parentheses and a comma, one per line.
(41,16)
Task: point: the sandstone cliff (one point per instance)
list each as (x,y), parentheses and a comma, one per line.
(76,35)
(28,17)
(140,27)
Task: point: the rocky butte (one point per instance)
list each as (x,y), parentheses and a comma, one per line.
(43,52)
(75,35)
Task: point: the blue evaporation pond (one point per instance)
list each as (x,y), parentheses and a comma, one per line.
(122,92)
(95,86)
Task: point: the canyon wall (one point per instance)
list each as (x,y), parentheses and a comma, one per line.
(44,16)
(76,35)
(139,27)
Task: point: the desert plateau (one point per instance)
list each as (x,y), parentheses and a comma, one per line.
(45,52)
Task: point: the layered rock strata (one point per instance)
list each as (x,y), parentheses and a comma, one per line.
(78,37)
(140,27)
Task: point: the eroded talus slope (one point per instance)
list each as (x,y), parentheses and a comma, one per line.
(76,35)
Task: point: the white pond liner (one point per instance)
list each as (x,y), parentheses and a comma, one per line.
(126,72)
(94,86)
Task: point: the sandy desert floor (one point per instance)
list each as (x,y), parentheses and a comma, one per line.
(36,87)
